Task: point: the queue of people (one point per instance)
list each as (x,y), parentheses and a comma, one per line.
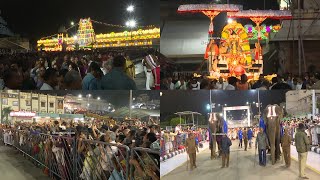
(286,82)
(98,149)
(86,70)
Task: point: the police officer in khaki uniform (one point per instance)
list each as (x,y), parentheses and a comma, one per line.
(285,143)
(192,148)
(245,138)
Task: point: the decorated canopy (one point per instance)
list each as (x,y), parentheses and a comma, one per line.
(258,16)
(273,14)
(210,10)
(210,7)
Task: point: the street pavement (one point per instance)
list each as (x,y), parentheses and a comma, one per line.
(13,166)
(140,79)
(241,167)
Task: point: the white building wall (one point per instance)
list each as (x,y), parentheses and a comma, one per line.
(299,103)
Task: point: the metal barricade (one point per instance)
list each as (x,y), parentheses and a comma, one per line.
(144,163)
(1,135)
(169,146)
(65,157)
(100,160)
(8,138)
(52,152)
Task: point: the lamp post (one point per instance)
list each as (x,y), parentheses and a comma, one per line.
(131,24)
(259,102)
(130,8)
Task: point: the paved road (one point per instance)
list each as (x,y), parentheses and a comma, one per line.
(13,166)
(241,167)
(140,77)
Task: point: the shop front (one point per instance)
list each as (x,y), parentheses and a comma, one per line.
(22,116)
(49,117)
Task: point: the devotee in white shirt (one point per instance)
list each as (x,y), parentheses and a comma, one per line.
(181,84)
(221,85)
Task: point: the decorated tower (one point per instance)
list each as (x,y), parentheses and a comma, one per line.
(86,35)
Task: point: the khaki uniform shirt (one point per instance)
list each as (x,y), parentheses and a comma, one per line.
(191,145)
(245,135)
(286,140)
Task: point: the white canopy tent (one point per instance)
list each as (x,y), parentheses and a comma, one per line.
(188,113)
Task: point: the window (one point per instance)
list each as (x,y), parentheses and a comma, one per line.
(15,103)
(28,103)
(51,104)
(43,104)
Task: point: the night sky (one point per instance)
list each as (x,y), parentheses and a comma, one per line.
(174,101)
(38,18)
(118,98)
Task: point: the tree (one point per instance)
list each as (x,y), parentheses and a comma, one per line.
(5,114)
(175,121)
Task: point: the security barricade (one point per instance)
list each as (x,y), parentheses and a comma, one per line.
(8,138)
(1,135)
(144,163)
(55,153)
(65,157)
(101,160)
(175,143)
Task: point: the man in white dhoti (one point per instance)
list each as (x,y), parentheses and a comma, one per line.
(149,75)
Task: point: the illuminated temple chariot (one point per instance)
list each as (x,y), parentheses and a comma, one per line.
(231,55)
(87,39)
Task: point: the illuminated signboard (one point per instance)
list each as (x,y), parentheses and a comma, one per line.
(236,108)
(22,114)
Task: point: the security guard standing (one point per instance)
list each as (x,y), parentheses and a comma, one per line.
(192,148)
(285,143)
(245,139)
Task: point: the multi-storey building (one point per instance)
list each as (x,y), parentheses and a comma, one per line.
(29,105)
(300,103)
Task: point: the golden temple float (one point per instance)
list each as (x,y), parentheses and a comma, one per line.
(233,56)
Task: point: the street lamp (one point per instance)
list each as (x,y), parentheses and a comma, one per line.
(72,23)
(208,107)
(131,24)
(98,98)
(80,96)
(130,8)
(247,102)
